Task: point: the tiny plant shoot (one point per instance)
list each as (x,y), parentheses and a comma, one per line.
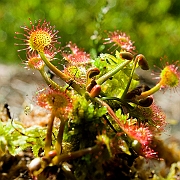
(102,109)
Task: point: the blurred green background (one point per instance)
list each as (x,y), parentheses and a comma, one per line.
(154,25)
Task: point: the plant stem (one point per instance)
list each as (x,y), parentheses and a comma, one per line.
(72,155)
(110,111)
(130,79)
(63,76)
(49,81)
(150,92)
(108,75)
(48,139)
(58,144)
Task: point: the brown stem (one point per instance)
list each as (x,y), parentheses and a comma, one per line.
(48,140)
(58,144)
(72,155)
(110,111)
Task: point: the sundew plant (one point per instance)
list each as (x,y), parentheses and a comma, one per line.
(107,118)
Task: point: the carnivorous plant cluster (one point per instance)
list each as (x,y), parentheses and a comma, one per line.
(103,111)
